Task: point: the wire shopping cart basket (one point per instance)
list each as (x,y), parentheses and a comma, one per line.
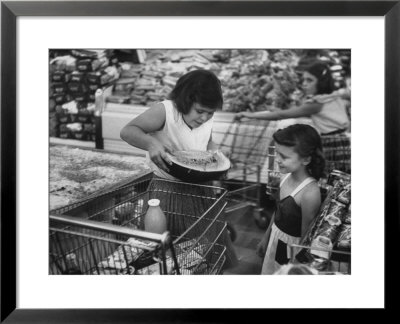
(103,234)
(248,143)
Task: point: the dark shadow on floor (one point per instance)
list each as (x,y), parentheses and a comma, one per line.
(248,234)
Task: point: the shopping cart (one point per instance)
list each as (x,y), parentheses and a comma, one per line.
(250,154)
(104,232)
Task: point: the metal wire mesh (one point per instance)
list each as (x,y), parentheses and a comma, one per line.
(194,221)
(247,142)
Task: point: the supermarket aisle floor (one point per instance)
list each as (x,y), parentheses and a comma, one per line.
(248,236)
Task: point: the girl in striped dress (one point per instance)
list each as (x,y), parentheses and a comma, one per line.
(300,159)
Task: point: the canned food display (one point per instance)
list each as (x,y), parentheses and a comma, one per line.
(347,216)
(344,238)
(339,182)
(337,189)
(330,229)
(344,194)
(337,209)
(337,175)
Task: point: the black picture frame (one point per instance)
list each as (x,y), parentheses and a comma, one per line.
(10,10)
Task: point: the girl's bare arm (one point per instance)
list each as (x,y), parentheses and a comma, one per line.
(136,133)
(310,204)
(305,110)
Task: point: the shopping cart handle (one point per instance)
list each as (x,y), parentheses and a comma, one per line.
(164,238)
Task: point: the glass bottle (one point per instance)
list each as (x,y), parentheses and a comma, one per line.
(155,220)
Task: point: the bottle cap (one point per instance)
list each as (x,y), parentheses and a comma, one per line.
(154,202)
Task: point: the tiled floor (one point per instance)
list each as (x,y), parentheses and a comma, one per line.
(248,236)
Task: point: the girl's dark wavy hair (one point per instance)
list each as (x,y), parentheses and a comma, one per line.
(322,72)
(197,86)
(306,142)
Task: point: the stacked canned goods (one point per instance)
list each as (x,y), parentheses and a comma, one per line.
(343,196)
(331,228)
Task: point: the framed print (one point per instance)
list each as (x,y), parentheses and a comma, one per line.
(30,28)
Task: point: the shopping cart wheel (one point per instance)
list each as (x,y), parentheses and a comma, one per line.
(231,231)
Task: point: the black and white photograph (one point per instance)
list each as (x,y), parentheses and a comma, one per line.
(180,161)
(200,161)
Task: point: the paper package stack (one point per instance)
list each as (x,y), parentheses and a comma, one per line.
(74,79)
(250,78)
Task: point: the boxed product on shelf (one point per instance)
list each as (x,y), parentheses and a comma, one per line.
(64,118)
(118,99)
(84,118)
(74,77)
(60,98)
(84,65)
(77,76)
(79,135)
(129,70)
(59,88)
(73,129)
(60,76)
(76,111)
(64,135)
(80,97)
(89,65)
(93,87)
(77,87)
(89,127)
(124,86)
(98,78)
(64,131)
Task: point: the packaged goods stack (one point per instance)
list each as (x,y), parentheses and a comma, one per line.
(151,81)
(330,233)
(250,78)
(74,78)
